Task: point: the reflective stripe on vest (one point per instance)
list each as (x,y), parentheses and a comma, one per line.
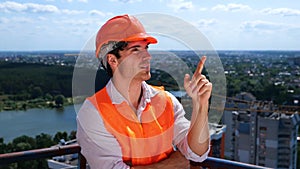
(144,142)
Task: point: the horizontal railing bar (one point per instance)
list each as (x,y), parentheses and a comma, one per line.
(38,153)
(212,162)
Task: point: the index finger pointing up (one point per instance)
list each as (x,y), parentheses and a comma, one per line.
(200,65)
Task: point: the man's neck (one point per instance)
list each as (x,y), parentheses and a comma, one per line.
(130,90)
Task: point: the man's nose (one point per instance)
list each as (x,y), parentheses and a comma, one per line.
(146,55)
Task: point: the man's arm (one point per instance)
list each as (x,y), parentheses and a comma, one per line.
(199,89)
(181,129)
(175,161)
(100,148)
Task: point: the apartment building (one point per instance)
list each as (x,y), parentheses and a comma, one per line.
(258,133)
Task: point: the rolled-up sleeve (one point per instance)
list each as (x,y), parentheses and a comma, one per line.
(181,128)
(185,149)
(98,146)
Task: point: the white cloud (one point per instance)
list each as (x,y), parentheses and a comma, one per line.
(281,11)
(4,20)
(22,20)
(10,6)
(126,1)
(202,9)
(41,8)
(206,22)
(263,26)
(85,1)
(71,12)
(100,13)
(96,12)
(231,7)
(180,5)
(80,22)
(41,18)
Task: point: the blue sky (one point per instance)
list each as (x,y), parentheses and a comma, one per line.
(227,24)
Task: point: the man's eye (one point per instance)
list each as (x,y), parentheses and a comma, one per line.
(135,49)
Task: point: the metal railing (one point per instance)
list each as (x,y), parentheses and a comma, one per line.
(218,163)
(9,158)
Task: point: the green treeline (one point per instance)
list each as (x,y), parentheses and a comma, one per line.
(27,80)
(24,143)
(27,85)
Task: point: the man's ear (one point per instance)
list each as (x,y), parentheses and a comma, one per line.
(112,61)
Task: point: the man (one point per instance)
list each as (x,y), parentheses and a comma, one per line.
(129,123)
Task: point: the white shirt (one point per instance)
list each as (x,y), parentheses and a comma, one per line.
(101,148)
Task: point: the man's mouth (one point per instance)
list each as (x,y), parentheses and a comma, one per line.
(146,67)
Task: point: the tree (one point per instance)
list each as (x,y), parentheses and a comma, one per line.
(72,135)
(48,97)
(36,92)
(2,146)
(44,140)
(59,100)
(60,135)
(23,143)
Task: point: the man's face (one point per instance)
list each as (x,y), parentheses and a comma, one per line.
(135,61)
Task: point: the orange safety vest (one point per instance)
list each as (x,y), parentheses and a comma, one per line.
(144,142)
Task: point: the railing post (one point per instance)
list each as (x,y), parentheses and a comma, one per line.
(82,161)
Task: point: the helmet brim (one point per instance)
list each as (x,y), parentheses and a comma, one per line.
(141,37)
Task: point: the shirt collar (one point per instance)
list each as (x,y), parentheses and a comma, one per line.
(117,98)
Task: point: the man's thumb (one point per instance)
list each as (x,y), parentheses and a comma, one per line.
(186,80)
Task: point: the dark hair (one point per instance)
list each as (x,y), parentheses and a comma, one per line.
(120,46)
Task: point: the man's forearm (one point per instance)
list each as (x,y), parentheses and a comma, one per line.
(198,136)
(175,161)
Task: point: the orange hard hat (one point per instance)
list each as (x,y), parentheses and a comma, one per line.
(120,28)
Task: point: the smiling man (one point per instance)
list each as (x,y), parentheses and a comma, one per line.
(130,124)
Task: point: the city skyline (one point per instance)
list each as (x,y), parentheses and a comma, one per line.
(69,24)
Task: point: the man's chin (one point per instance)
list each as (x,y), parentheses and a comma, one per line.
(146,75)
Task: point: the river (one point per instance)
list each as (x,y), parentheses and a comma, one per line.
(33,122)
